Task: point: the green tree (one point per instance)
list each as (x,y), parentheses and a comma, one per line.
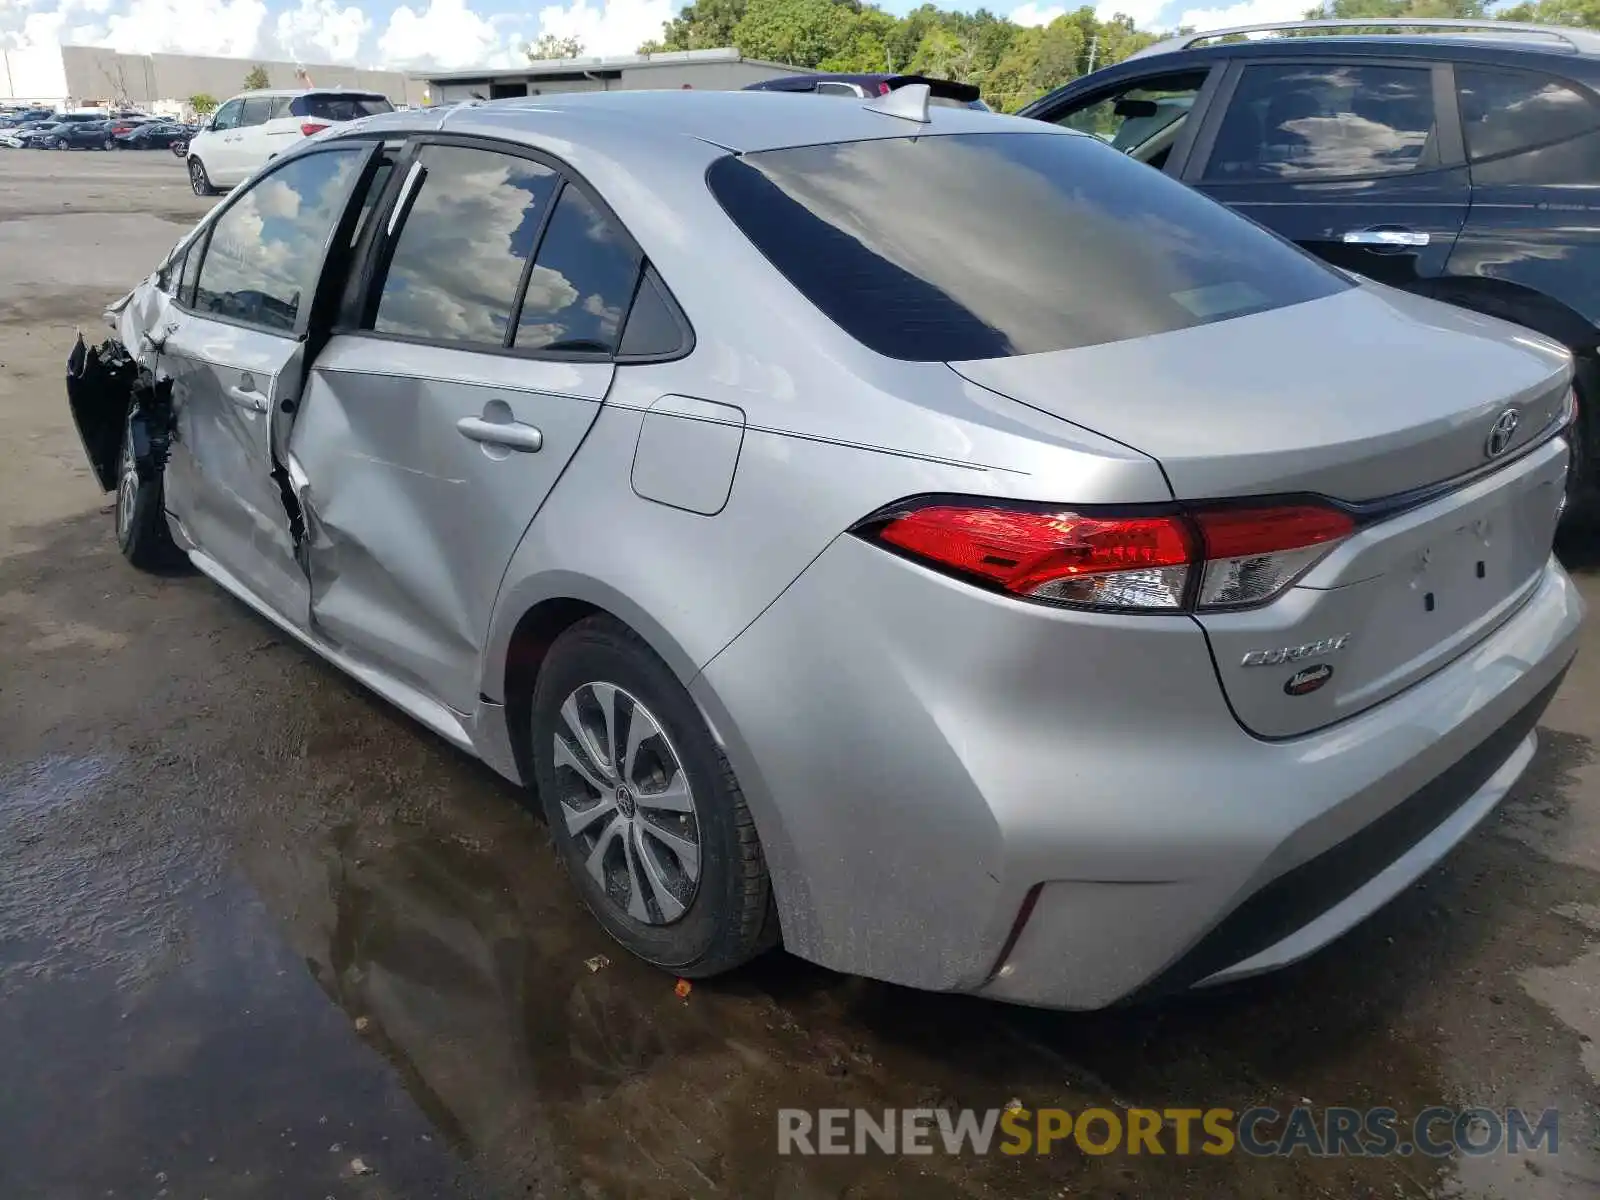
(256,79)
(203,103)
(1582,13)
(550,46)
(802,33)
(703,25)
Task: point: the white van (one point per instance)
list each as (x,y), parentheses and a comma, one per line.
(254,127)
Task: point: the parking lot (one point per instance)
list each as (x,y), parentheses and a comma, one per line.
(263,936)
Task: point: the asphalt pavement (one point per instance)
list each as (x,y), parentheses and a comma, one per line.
(263,936)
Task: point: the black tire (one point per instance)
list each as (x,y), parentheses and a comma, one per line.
(729,919)
(61,143)
(108,144)
(198,179)
(140,516)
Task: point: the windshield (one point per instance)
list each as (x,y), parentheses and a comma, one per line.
(944,248)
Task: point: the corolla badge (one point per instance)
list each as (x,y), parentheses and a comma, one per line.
(1501,433)
(1308,680)
(1289,654)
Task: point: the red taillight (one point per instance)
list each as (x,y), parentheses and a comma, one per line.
(309,127)
(1206,558)
(883,89)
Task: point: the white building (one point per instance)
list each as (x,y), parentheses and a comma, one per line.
(715,70)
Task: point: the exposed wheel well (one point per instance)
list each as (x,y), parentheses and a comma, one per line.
(535,633)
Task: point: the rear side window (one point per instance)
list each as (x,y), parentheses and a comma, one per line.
(989,245)
(1292,122)
(280,107)
(1503,112)
(581,283)
(458,262)
(266,248)
(324,107)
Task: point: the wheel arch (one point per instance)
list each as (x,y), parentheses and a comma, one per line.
(528,621)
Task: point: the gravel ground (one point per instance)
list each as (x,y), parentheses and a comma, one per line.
(262,936)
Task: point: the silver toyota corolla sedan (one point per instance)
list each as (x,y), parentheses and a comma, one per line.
(921,535)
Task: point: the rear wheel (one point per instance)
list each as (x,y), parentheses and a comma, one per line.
(108,144)
(61,143)
(142,533)
(643,808)
(198,179)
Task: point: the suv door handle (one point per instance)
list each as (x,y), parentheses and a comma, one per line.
(1389,238)
(513,435)
(254,401)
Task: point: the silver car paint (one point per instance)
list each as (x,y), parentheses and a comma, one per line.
(918,754)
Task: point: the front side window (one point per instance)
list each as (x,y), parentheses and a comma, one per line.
(581,283)
(266,249)
(1143,118)
(974,246)
(1294,121)
(462,250)
(257,111)
(228,115)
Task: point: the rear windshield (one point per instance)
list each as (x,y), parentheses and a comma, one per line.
(989,245)
(340,108)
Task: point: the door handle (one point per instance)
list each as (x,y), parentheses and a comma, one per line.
(514,435)
(1386,239)
(254,401)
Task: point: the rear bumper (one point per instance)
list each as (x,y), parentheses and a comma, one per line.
(922,757)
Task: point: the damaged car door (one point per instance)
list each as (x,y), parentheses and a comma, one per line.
(463,377)
(235,353)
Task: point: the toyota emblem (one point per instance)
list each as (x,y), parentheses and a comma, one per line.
(1501,433)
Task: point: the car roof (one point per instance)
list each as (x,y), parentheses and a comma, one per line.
(741,121)
(274,93)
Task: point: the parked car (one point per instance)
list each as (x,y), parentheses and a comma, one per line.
(78,135)
(863,86)
(23,116)
(155,135)
(1342,145)
(255,127)
(868,640)
(20,137)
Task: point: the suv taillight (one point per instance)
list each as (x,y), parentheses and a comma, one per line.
(307,128)
(1201,558)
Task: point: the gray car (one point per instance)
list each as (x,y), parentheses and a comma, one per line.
(925,536)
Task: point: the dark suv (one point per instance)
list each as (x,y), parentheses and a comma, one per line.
(1462,166)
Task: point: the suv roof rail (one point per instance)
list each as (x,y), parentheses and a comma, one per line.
(1578,41)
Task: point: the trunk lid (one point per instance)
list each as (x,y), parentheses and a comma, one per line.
(1364,394)
(1362,397)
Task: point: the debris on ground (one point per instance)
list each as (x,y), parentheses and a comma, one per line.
(361,1024)
(358,1167)
(683,988)
(598,963)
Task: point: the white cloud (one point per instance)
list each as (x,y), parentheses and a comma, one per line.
(1250,12)
(608,26)
(445,34)
(319,31)
(1036,14)
(230,28)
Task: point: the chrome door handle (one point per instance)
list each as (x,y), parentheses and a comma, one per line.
(1388,239)
(254,401)
(513,435)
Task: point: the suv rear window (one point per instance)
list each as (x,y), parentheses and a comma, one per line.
(987,245)
(339,107)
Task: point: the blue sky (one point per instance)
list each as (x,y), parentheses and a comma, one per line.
(450,33)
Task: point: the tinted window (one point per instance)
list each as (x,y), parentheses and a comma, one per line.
(581,282)
(652,329)
(1505,111)
(987,245)
(228,115)
(1301,122)
(266,249)
(280,107)
(1135,117)
(836,89)
(340,108)
(256,112)
(461,252)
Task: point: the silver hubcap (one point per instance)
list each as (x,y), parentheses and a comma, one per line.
(127,488)
(197,177)
(627,803)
